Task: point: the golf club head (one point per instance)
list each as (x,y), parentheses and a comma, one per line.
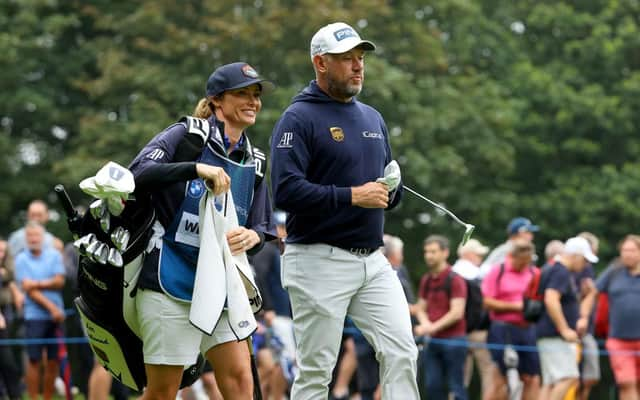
(101,254)
(123,240)
(120,238)
(84,241)
(97,209)
(116,236)
(105,222)
(92,248)
(114,258)
(468,231)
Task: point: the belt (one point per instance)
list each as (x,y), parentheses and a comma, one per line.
(362,251)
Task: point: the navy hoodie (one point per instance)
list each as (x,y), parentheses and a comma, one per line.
(320,148)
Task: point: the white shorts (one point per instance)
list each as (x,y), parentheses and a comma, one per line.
(167,335)
(590,359)
(558,360)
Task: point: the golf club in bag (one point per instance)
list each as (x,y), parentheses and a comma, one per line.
(111,250)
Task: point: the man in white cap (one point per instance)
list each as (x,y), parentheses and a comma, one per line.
(470,257)
(328,151)
(564,320)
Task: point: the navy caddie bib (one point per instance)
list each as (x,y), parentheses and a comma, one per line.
(181,241)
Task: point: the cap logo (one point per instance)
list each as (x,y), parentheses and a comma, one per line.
(344,33)
(336,133)
(248,71)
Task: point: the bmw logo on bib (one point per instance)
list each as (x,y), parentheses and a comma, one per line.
(196,188)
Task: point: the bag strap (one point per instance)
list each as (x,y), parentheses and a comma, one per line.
(499,277)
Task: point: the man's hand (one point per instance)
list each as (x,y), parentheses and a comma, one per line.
(57,315)
(581,326)
(242,239)
(18,300)
(569,335)
(29,284)
(214,177)
(425,328)
(370,195)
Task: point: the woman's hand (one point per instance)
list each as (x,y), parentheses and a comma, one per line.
(242,239)
(214,177)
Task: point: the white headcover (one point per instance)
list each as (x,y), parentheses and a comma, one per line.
(113,183)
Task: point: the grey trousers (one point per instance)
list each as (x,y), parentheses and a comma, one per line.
(325,284)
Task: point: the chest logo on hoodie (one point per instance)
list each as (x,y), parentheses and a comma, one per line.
(372,135)
(336,133)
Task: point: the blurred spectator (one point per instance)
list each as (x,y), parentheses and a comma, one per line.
(9,373)
(271,370)
(266,264)
(442,297)
(622,284)
(552,250)
(564,320)
(394,251)
(347,364)
(40,274)
(518,228)
(38,212)
(590,361)
(468,266)
(503,290)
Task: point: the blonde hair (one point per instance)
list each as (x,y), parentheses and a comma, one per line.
(592,239)
(204,108)
(635,239)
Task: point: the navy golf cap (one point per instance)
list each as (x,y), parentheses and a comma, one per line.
(235,76)
(521,224)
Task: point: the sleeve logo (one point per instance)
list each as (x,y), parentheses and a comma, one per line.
(285,141)
(156,154)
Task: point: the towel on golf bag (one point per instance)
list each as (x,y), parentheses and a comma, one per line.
(222,277)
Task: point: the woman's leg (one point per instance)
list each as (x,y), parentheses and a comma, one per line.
(232,365)
(163,382)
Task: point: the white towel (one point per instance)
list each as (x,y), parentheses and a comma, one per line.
(221,276)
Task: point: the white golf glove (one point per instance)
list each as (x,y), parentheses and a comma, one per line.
(113,184)
(392,176)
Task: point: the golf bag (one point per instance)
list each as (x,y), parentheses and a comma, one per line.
(106,304)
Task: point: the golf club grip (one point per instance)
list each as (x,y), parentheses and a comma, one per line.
(64,199)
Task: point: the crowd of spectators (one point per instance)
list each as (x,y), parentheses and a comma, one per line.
(555,357)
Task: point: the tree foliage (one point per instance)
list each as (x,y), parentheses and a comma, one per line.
(495,109)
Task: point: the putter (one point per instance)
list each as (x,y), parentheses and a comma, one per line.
(114,258)
(468,228)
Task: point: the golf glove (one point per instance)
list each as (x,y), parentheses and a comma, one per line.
(391,176)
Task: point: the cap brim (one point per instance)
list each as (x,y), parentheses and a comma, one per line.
(348,45)
(592,258)
(265,85)
(533,228)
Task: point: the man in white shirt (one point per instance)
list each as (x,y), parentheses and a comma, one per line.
(469,259)
(468,266)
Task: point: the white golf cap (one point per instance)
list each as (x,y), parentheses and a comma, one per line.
(337,38)
(579,245)
(473,246)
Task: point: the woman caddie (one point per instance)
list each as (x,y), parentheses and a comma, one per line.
(175,169)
